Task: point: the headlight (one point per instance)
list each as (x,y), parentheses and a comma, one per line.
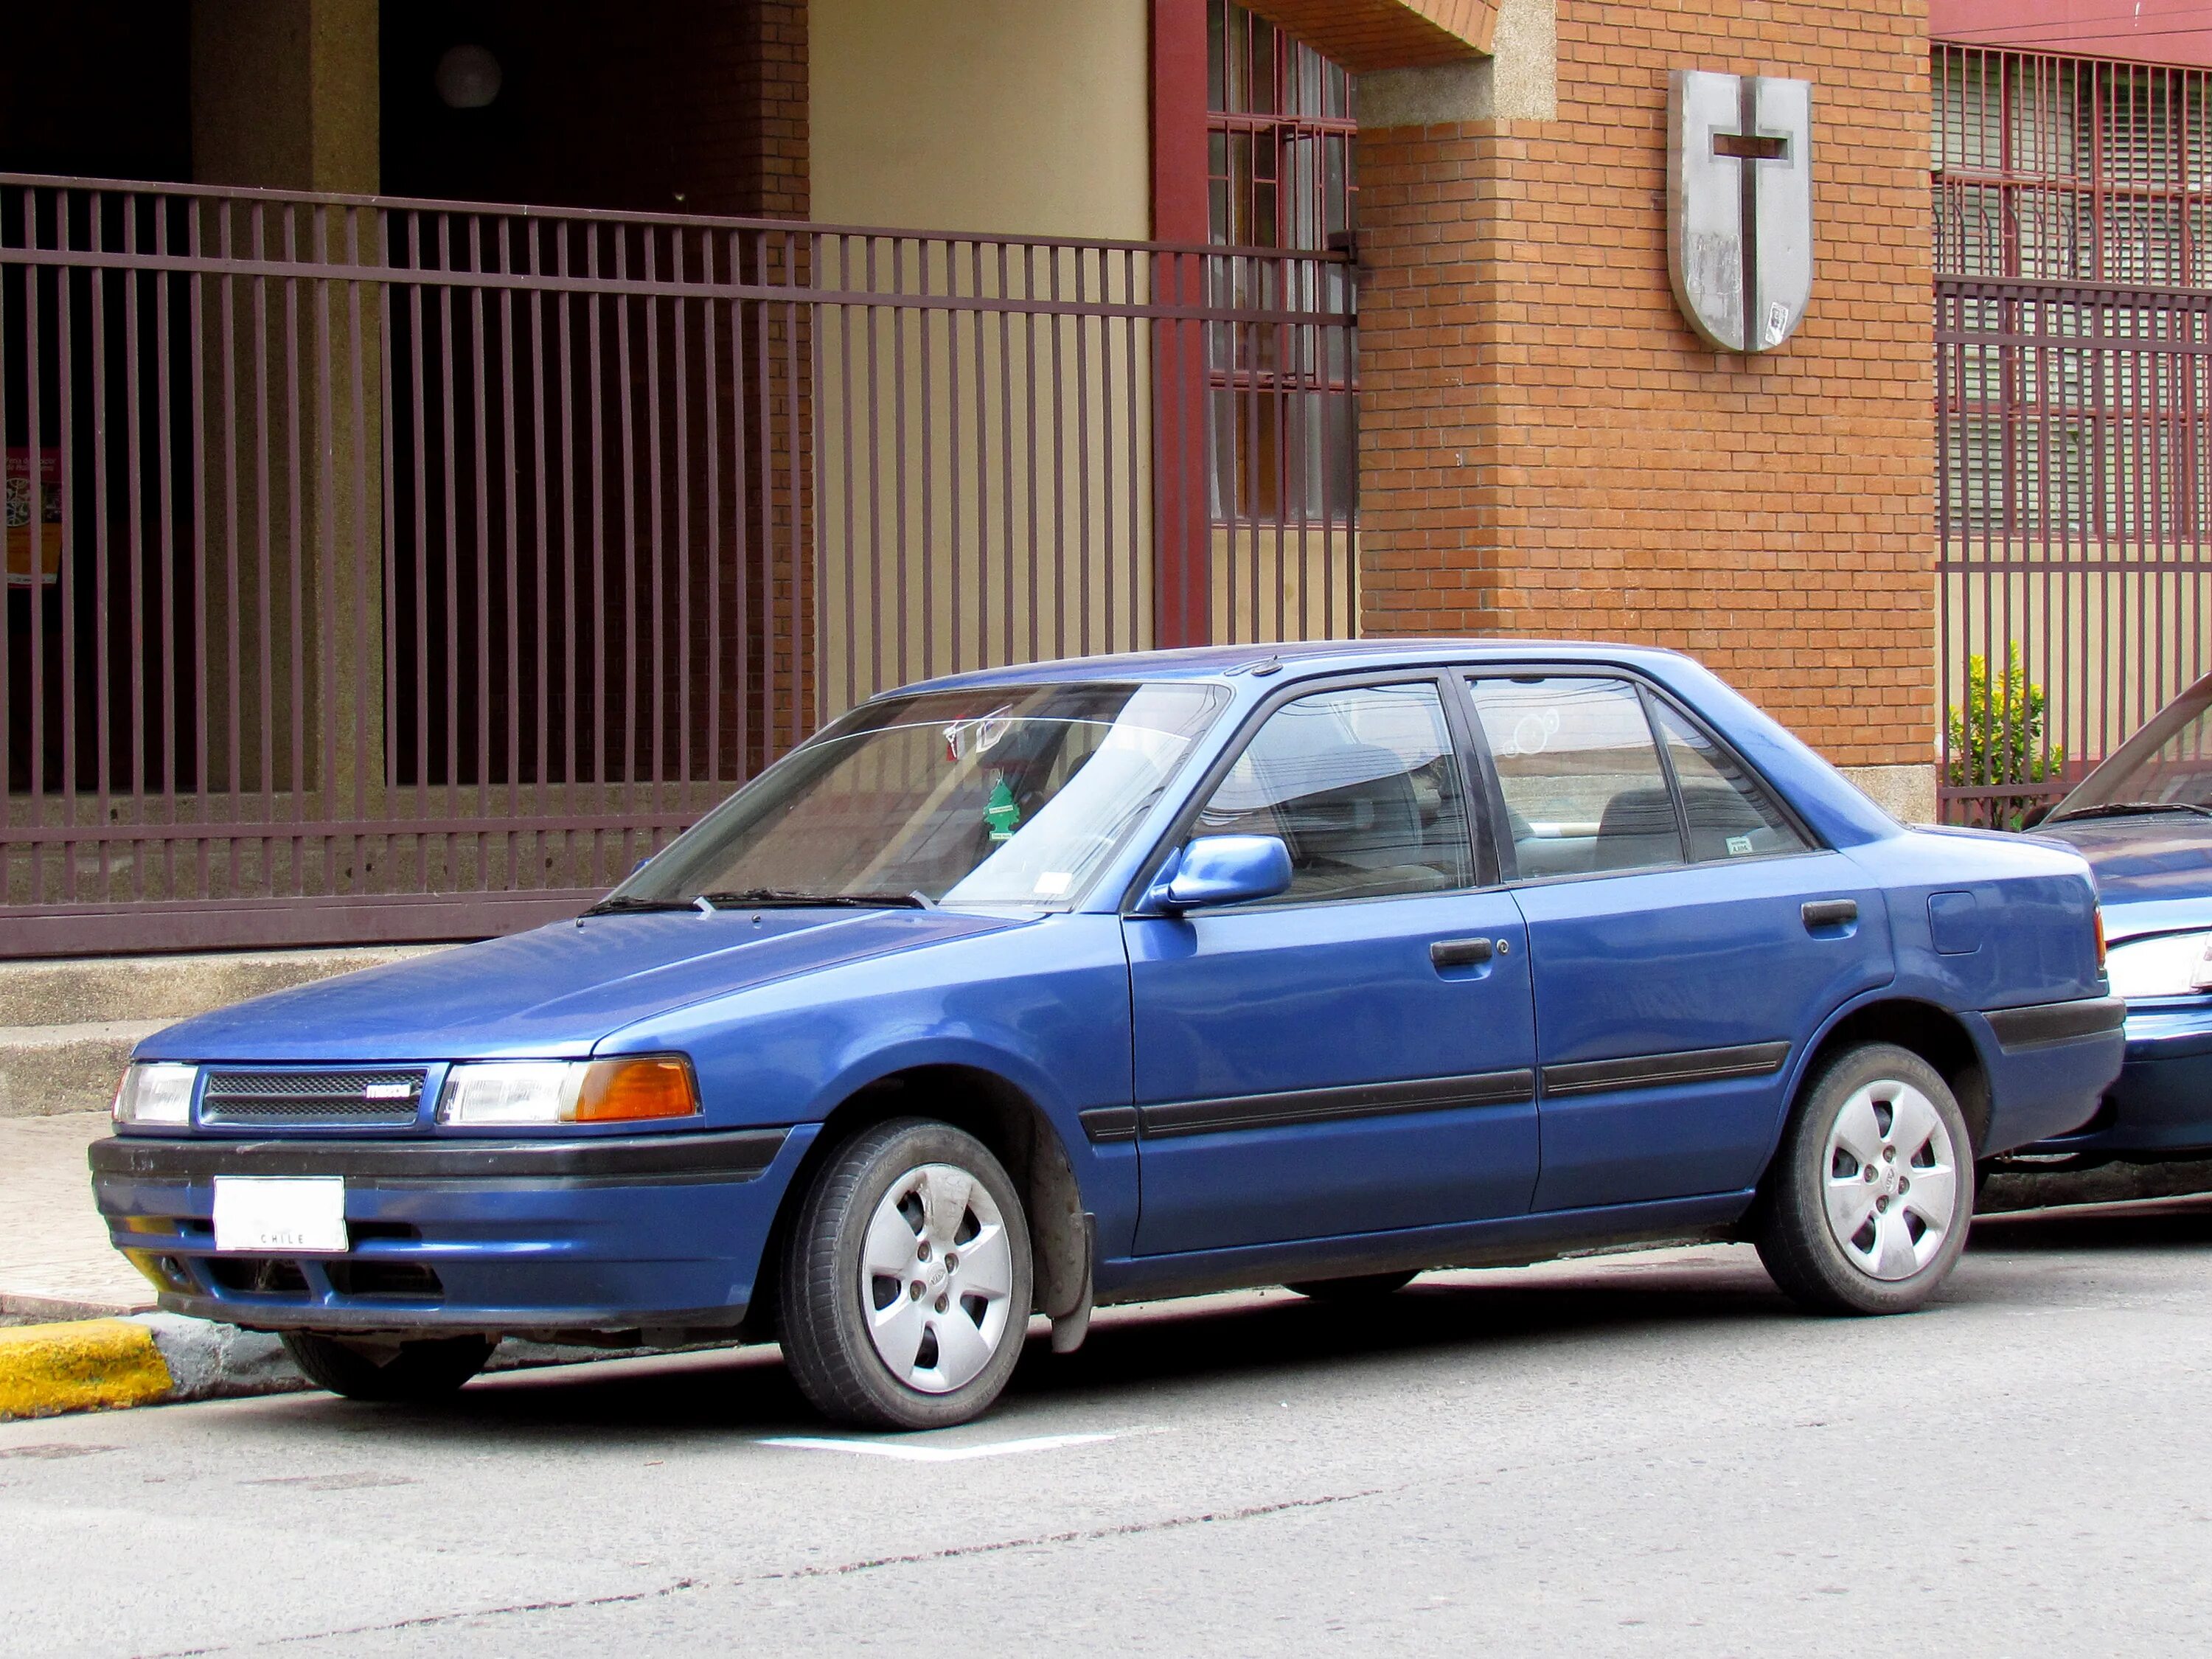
(2171,965)
(156,1094)
(500,1093)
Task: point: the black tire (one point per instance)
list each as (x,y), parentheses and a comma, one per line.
(1361,1288)
(428,1370)
(826,1314)
(1796,1240)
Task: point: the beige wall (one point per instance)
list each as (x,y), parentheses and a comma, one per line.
(1013,117)
(936,522)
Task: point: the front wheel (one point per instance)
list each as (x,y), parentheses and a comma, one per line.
(420,1370)
(906,1283)
(1870,1194)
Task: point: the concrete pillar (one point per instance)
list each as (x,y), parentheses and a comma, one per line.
(285,93)
(284,96)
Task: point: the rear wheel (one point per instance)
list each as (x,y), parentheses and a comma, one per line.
(388,1370)
(1363,1287)
(1870,1194)
(907,1283)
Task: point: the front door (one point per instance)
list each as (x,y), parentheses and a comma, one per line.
(1685,938)
(1357,1055)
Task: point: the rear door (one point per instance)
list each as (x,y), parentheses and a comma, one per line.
(1357,1055)
(1686,936)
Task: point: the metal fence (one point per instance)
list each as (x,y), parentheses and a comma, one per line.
(2073,243)
(392,569)
(2074,508)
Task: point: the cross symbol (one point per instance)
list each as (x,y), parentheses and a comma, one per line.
(1749,146)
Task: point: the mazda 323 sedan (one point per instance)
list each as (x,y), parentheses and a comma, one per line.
(1088,982)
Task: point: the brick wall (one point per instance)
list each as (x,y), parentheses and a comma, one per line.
(1547,449)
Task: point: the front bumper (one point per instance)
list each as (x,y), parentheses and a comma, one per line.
(2161,1102)
(599,1233)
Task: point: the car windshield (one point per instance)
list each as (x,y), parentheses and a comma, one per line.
(1011,795)
(2168,764)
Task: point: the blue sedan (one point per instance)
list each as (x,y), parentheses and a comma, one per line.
(2143,819)
(1025,990)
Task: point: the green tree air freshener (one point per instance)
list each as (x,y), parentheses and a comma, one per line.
(1000,816)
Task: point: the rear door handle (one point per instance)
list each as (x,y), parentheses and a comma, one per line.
(1460,952)
(1829,913)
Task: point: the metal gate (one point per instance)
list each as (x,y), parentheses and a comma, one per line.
(2073,413)
(386,570)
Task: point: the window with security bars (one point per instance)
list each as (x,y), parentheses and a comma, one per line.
(2067,414)
(2071,168)
(1279,141)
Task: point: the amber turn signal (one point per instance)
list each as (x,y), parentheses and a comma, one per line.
(651,1085)
(2100,938)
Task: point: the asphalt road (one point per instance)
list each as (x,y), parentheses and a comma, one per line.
(1639,1455)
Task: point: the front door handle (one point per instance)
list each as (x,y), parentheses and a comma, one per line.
(1829,913)
(1460,952)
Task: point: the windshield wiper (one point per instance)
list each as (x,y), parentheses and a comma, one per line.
(622,905)
(2121,809)
(787,898)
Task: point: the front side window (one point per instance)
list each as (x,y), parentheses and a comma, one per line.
(1585,790)
(1728,812)
(1013,795)
(1363,787)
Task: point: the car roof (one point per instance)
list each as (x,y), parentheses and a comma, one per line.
(1216,662)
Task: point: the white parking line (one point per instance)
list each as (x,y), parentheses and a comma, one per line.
(909,1452)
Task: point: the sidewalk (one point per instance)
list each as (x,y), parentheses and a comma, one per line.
(55,1259)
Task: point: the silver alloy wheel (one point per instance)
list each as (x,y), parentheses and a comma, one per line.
(936,1278)
(1892,1180)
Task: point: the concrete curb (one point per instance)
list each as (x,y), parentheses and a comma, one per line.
(165,1359)
(145,1359)
(87,1365)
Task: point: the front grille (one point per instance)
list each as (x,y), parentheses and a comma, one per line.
(365,1099)
(256,1275)
(406,1280)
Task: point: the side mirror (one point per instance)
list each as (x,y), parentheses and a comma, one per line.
(1224,870)
(2035,815)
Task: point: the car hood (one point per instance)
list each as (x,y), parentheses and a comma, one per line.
(2153,872)
(555,991)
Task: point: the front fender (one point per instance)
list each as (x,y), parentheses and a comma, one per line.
(1044,1006)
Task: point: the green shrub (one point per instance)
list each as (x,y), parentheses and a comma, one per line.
(1998,739)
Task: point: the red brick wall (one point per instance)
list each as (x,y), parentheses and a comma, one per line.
(1547,449)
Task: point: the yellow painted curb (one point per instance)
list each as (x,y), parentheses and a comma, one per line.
(85,1364)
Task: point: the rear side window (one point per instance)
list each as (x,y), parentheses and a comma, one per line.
(1363,787)
(1728,812)
(1584,789)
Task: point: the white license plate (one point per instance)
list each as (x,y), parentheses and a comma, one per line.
(302,1215)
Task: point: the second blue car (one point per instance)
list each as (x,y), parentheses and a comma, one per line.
(1100,981)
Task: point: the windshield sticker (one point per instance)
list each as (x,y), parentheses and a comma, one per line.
(1000,816)
(1055,883)
(1738,846)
